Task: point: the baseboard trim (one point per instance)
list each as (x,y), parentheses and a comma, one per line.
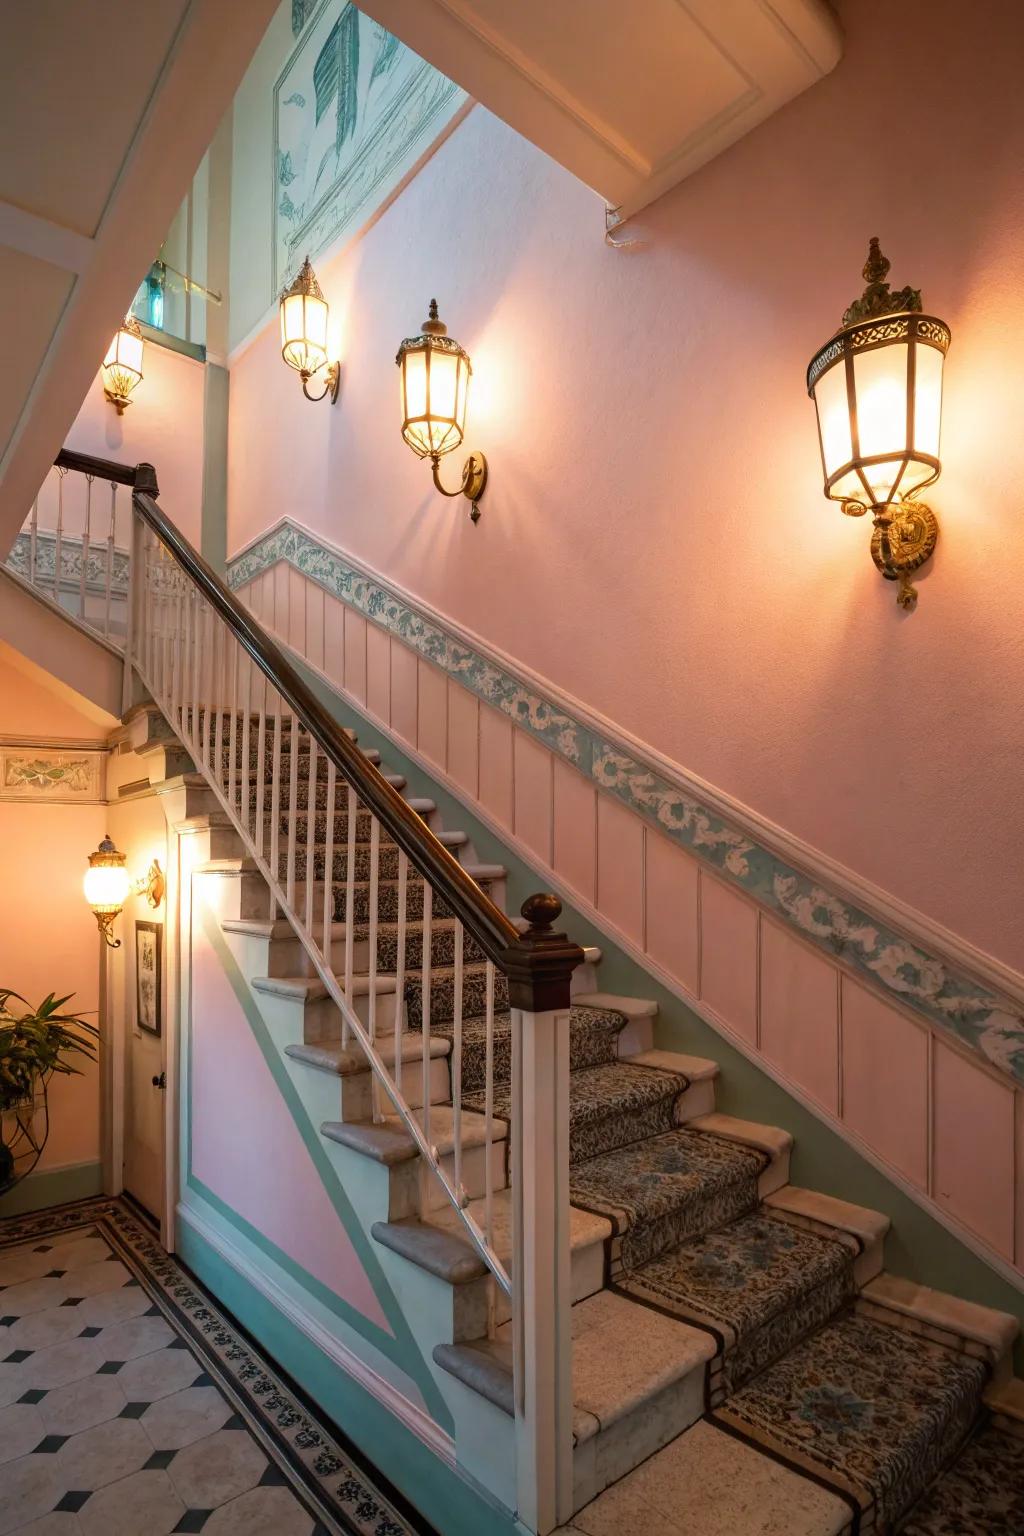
(395,1402)
(53,1186)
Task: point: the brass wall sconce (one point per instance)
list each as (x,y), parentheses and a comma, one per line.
(304,312)
(877,388)
(121,369)
(435,374)
(107,886)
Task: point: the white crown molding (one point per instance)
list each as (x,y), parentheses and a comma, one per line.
(408,1413)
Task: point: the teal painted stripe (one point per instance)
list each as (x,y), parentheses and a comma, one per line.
(54,1186)
(399,1346)
(446,1499)
(942,993)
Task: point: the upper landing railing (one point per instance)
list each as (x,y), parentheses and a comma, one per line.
(275,759)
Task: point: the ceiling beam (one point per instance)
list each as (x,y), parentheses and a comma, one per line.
(34,236)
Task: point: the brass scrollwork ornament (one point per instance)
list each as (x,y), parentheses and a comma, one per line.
(904,537)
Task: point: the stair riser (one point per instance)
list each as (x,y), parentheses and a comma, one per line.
(405,1194)
(236,894)
(632,1439)
(356,1097)
(439,1313)
(387,901)
(442,996)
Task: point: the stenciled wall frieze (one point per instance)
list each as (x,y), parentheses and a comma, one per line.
(51,774)
(938,989)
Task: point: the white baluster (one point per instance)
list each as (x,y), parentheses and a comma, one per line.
(33,542)
(293,806)
(233,731)
(403,886)
(457,1066)
(86,531)
(374,894)
(109,573)
(428,909)
(350,902)
(311,838)
(328,939)
(58,548)
(489,1140)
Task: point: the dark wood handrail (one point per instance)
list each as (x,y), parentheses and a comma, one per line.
(539,962)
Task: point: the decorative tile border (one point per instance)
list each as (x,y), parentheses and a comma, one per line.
(941,992)
(311,1458)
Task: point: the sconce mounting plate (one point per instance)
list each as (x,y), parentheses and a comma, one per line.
(904,537)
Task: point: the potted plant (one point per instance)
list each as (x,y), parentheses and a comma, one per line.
(34,1044)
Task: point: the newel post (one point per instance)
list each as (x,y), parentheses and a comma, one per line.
(539,969)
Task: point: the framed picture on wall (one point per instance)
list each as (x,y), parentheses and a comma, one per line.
(148,969)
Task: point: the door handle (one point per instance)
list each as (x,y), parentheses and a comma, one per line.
(160,1081)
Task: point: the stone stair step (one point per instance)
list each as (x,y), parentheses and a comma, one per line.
(363,822)
(772,1140)
(391,1144)
(593,1039)
(815,1212)
(388,857)
(659,1192)
(759,1283)
(357,1079)
(870,1410)
(443,1248)
(442,993)
(637,1379)
(610,1106)
(982,1493)
(981,1332)
(707,1483)
(485,875)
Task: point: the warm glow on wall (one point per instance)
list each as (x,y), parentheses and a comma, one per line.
(122,366)
(304,334)
(434,381)
(877,386)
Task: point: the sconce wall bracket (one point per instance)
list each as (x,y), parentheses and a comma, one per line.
(904,537)
(474,481)
(331,375)
(152,884)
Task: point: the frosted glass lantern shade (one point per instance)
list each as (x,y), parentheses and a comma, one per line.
(106,883)
(304,331)
(434,380)
(121,370)
(877,388)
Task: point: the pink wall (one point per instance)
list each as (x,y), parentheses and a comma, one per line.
(49,940)
(163,426)
(654,537)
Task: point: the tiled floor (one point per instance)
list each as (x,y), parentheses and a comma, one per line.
(129,1406)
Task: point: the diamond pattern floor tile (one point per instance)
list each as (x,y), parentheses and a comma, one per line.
(110,1425)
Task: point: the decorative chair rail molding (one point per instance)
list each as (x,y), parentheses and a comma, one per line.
(914,960)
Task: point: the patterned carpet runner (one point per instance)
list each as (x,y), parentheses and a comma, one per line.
(759,1284)
(873,1411)
(982,1494)
(660,1191)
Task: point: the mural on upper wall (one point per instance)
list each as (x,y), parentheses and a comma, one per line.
(354,110)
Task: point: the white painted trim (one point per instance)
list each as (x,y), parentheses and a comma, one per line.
(408,1414)
(35,236)
(57,743)
(932,936)
(962,1233)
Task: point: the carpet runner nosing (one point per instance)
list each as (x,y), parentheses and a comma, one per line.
(981,1494)
(658,1192)
(593,1041)
(609,1106)
(874,1411)
(759,1284)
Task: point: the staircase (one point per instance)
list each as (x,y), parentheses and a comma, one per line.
(741,1360)
(706,1288)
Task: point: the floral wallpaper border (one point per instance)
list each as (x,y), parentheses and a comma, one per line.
(941,992)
